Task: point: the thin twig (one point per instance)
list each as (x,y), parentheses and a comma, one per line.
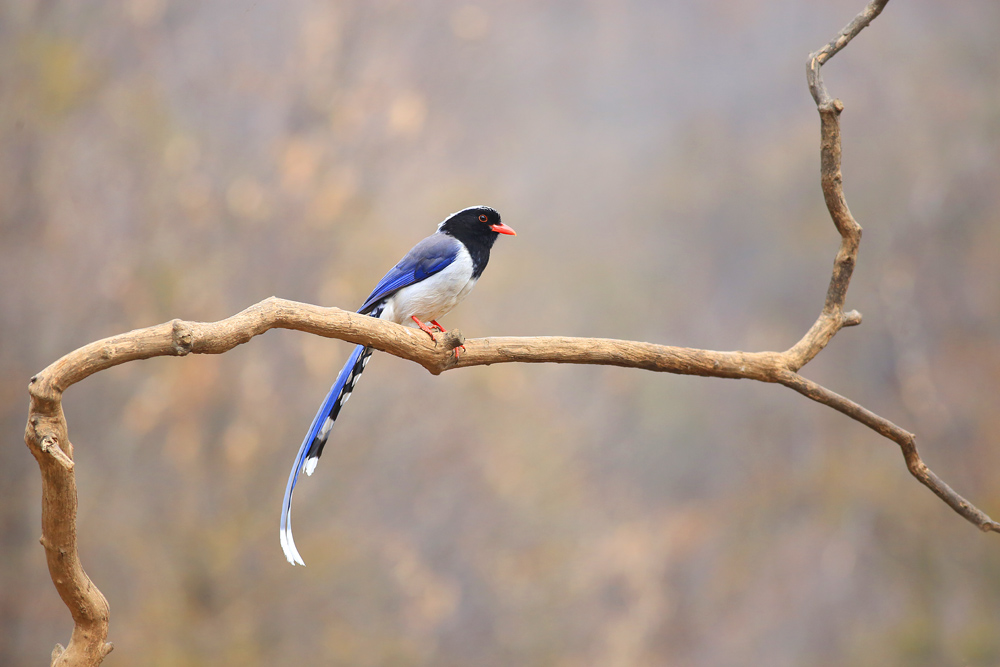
(819,58)
(906,441)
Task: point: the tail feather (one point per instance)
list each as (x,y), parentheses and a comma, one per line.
(312,445)
(360,359)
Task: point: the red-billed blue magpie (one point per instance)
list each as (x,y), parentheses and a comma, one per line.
(428,282)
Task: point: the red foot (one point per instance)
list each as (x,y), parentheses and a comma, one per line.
(440,328)
(423,327)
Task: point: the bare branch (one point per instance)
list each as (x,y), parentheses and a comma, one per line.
(46,437)
(819,58)
(905,440)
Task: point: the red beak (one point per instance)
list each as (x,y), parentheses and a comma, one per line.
(503,229)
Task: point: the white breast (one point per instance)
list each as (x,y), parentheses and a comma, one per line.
(432,298)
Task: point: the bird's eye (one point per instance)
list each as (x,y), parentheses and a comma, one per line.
(482,217)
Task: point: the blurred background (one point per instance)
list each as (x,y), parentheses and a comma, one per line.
(659,161)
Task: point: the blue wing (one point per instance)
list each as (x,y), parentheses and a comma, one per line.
(431,255)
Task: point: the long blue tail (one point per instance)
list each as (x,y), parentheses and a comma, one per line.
(318,434)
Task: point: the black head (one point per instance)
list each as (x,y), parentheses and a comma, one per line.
(477,227)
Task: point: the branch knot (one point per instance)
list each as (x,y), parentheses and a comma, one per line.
(49,444)
(851,318)
(183,338)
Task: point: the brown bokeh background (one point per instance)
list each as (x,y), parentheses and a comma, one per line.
(659,161)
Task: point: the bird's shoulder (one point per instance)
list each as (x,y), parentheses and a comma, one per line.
(430,255)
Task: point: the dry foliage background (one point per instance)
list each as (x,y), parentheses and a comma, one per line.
(659,161)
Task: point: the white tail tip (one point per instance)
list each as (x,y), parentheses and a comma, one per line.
(288,546)
(310,467)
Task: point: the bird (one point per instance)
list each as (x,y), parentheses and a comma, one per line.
(431,279)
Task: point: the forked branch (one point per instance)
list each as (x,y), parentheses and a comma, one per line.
(46,432)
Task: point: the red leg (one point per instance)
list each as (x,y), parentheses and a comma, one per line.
(423,327)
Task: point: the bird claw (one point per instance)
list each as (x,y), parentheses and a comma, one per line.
(426,329)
